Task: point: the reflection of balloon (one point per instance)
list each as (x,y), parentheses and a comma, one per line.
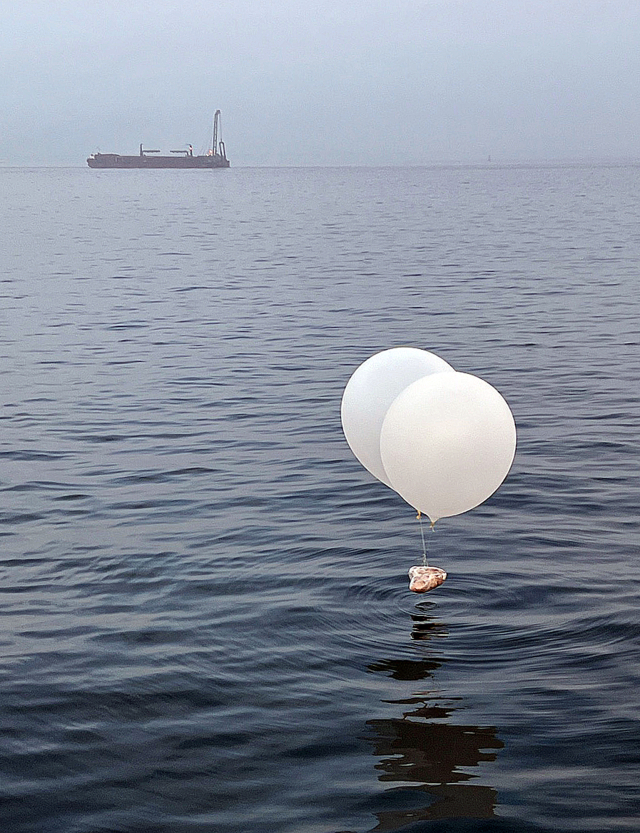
(370,392)
(447,443)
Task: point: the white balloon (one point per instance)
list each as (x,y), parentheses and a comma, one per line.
(447,443)
(371,390)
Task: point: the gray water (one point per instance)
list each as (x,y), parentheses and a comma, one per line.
(205,622)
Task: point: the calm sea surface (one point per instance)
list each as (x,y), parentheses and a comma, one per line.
(205,621)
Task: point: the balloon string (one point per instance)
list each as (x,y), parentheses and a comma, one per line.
(424,544)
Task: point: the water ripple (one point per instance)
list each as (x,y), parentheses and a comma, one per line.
(206,620)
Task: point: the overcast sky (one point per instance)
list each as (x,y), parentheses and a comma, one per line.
(328,82)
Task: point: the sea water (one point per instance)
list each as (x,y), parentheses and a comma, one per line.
(205,622)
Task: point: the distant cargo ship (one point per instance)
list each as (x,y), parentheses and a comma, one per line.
(216,156)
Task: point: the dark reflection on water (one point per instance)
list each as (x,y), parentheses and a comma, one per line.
(426,746)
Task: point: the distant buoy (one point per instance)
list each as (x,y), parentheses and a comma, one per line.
(423,579)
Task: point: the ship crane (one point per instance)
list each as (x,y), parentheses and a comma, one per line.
(214,141)
(188,151)
(217,145)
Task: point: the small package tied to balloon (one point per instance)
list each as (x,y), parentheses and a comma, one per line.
(443,440)
(425,578)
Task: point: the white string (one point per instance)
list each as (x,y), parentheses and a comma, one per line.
(424,545)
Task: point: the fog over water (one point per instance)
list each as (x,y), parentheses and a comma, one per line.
(355,83)
(204,616)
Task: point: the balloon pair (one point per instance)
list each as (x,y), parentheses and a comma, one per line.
(443,440)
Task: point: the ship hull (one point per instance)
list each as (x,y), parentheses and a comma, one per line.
(114,160)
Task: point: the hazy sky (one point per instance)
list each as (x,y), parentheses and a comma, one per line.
(304,83)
